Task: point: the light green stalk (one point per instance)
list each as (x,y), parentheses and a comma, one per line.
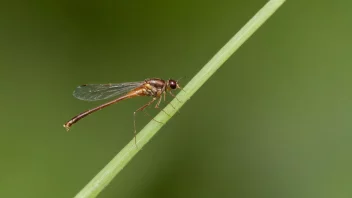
(104,177)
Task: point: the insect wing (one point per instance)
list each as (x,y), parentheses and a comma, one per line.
(93,92)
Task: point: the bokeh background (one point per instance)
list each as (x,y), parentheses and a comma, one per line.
(274,121)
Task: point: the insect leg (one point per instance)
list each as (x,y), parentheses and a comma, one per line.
(134,117)
(174,96)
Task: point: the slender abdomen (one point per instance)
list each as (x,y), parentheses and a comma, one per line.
(75,119)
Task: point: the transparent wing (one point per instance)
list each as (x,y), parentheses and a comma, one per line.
(93,92)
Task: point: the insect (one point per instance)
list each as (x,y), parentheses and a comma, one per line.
(154,87)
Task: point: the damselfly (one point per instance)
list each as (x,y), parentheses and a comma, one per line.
(154,87)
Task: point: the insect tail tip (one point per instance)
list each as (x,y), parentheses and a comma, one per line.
(66,127)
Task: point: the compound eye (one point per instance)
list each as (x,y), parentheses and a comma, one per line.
(172,84)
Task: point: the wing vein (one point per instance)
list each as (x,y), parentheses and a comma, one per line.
(93,92)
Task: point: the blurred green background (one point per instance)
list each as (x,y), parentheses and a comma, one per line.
(274,121)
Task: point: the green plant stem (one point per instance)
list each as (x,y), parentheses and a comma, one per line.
(104,177)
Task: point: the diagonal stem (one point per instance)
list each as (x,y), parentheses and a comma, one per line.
(104,177)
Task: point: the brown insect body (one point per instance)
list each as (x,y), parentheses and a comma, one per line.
(154,87)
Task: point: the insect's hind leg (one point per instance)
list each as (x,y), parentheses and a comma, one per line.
(134,118)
